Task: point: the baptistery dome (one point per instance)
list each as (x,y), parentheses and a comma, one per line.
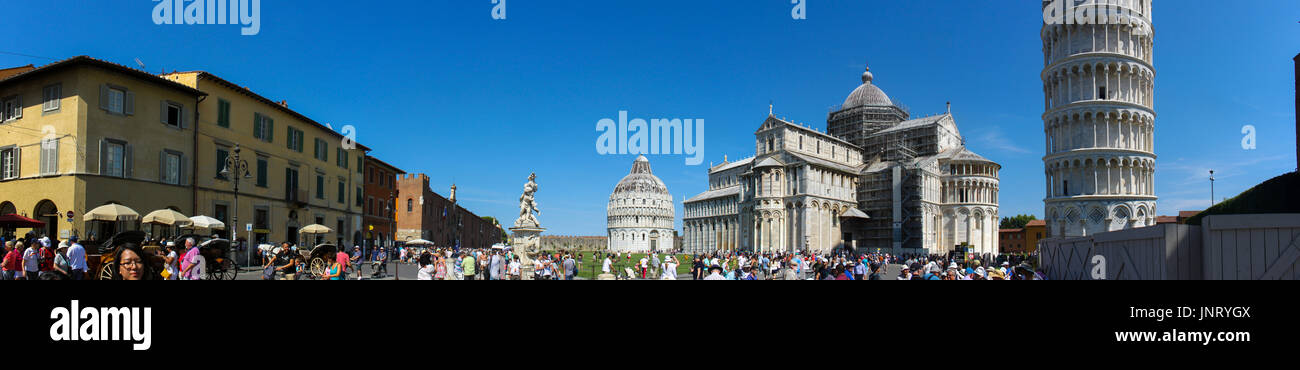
(640,212)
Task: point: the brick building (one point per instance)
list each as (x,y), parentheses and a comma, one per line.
(380,202)
(424,214)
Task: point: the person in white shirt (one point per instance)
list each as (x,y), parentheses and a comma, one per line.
(425,273)
(172,272)
(514,269)
(645,266)
(606,265)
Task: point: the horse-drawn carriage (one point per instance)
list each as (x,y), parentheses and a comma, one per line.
(318,259)
(216,252)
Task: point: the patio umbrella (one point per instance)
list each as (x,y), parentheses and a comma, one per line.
(166,217)
(111,212)
(316,229)
(205,222)
(13,221)
(419,242)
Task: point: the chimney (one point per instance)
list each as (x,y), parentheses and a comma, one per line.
(453,193)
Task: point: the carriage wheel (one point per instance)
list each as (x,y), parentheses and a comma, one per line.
(106,271)
(318,266)
(230,271)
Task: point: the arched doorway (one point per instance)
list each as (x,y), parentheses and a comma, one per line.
(49,213)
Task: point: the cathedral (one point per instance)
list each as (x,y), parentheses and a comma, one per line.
(876,180)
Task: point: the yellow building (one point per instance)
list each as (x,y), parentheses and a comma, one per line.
(290,184)
(80,133)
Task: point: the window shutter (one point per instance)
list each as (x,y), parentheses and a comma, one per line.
(257,125)
(54,157)
(162,111)
(186,120)
(18,161)
(162,166)
(183,170)
(128,103)
(18,111)
(270,130)
(128,163)
(103,97)
(103,156)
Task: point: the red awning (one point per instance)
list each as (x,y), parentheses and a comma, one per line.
(13,221)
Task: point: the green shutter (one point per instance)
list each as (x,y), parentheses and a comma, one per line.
(270,130)
(221,162)
(257,126)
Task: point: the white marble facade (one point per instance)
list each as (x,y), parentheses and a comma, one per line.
(803,186)
(640,214)
(1099,122)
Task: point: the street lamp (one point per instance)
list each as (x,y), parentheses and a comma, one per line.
(388,211)
(235,169)
(1211,188)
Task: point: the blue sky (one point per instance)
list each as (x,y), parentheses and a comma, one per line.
(439,87)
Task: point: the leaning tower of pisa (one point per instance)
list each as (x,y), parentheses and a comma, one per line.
(1099,116)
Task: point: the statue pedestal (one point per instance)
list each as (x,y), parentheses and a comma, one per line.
(526,240)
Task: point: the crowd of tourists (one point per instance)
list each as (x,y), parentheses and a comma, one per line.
(846,265)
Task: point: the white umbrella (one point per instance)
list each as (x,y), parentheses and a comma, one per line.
(419,242)
(316,229)
(166,217)
(205,222)
(111,212)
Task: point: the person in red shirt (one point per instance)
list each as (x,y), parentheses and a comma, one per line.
(13,261)
(46,260)
(344,260)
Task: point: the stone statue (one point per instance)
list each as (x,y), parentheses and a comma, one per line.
(528,204)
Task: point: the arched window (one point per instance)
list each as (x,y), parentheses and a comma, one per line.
(410,204)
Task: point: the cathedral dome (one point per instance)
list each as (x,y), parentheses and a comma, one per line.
(867,94)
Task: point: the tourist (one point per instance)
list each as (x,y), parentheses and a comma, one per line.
(467,264)
(133,263)
(269,264)
(570,267)
(654,264)
(645,265)
(343,260)
(170,270)
(287,260)
(605,266)
(697,269)
(513,269)
(379,261)
(59,268)
(31,265)
(187,260)
(355,261)
(715,273)
(669,268)
(496,264)
(13,260)
(427,268)
(906,274)
(45,261)
(76,259)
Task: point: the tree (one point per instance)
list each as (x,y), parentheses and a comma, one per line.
(1017,222)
